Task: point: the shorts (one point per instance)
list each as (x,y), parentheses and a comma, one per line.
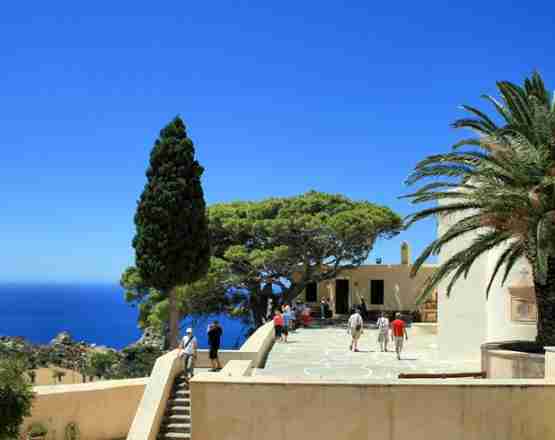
(285,330)
(279,330)
(398,343)
(356,333)
(213,354)
(382,337)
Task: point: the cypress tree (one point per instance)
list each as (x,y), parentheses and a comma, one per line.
(171,244)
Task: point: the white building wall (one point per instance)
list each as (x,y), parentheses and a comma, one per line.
(462,317)
(467,319)
(500,327)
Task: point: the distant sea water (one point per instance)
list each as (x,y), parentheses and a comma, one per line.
(92,313)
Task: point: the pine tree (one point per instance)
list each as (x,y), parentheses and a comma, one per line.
(172,246)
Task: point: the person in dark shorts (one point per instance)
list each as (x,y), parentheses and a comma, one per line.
(214,338)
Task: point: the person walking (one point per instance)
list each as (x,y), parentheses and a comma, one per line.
(293,324)
(215,332)
(363,308)
(355,328)
(188,347)
(269,308)
(383,331)
(278,325)
(286,322)
(399,330)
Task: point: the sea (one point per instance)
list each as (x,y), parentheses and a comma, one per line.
(94,313)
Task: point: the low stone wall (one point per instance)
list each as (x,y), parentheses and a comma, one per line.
(102,410)
(255,349)
(253,408)
(422,328)
(505,364)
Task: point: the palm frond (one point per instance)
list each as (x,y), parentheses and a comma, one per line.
(507,255)
(439,210)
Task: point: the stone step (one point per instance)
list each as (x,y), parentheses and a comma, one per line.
(178,418)
(174,436)
(177,427)
(181,393)
(179,401)
(181,385)
(179,410)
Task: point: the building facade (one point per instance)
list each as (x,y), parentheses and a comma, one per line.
(467,318)
(387,287)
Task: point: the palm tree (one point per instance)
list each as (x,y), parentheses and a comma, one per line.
(500,185)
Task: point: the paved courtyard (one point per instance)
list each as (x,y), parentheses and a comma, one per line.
(324,353)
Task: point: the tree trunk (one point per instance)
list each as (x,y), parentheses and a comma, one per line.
(293,292)
(545,298)
(174,318)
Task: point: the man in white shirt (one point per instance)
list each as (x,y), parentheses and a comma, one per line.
(188,347)
(383,331)
(354,327)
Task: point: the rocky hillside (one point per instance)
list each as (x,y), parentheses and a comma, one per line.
(63,351)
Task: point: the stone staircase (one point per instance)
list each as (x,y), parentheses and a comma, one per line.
(176,424)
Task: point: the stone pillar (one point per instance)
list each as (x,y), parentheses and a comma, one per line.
(550,363)
(405,253)
(331,289)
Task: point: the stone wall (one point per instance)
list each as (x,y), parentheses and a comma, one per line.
(253,408)
(102,410)
(505,364)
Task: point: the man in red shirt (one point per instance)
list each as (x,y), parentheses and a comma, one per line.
(399,330)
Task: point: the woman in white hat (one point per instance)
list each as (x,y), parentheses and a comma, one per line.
(188,347)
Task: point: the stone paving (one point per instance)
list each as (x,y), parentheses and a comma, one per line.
(323,353)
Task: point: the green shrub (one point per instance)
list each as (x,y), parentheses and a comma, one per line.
(16,397)
(37,429)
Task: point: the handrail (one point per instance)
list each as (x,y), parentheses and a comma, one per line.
(475,375)
(150,413)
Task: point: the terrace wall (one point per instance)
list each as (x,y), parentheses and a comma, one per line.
(251,408)
(102,410)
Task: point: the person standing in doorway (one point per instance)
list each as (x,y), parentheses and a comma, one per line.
(354,327)
(363,308)
(383,331)
(323,309)
(188,347)
(215,332)
(399,330)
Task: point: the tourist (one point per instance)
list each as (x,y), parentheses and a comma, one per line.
(269,308)
(278,325)
(328,311)
(306,315)
(286,322)
(399,329)
(363,308)
(214,338)
(354,328)
(323,309)
(188,347)
(383,331)
(293,323)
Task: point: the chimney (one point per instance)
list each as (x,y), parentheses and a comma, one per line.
(405,253)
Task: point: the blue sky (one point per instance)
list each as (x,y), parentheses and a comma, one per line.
(279,98)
